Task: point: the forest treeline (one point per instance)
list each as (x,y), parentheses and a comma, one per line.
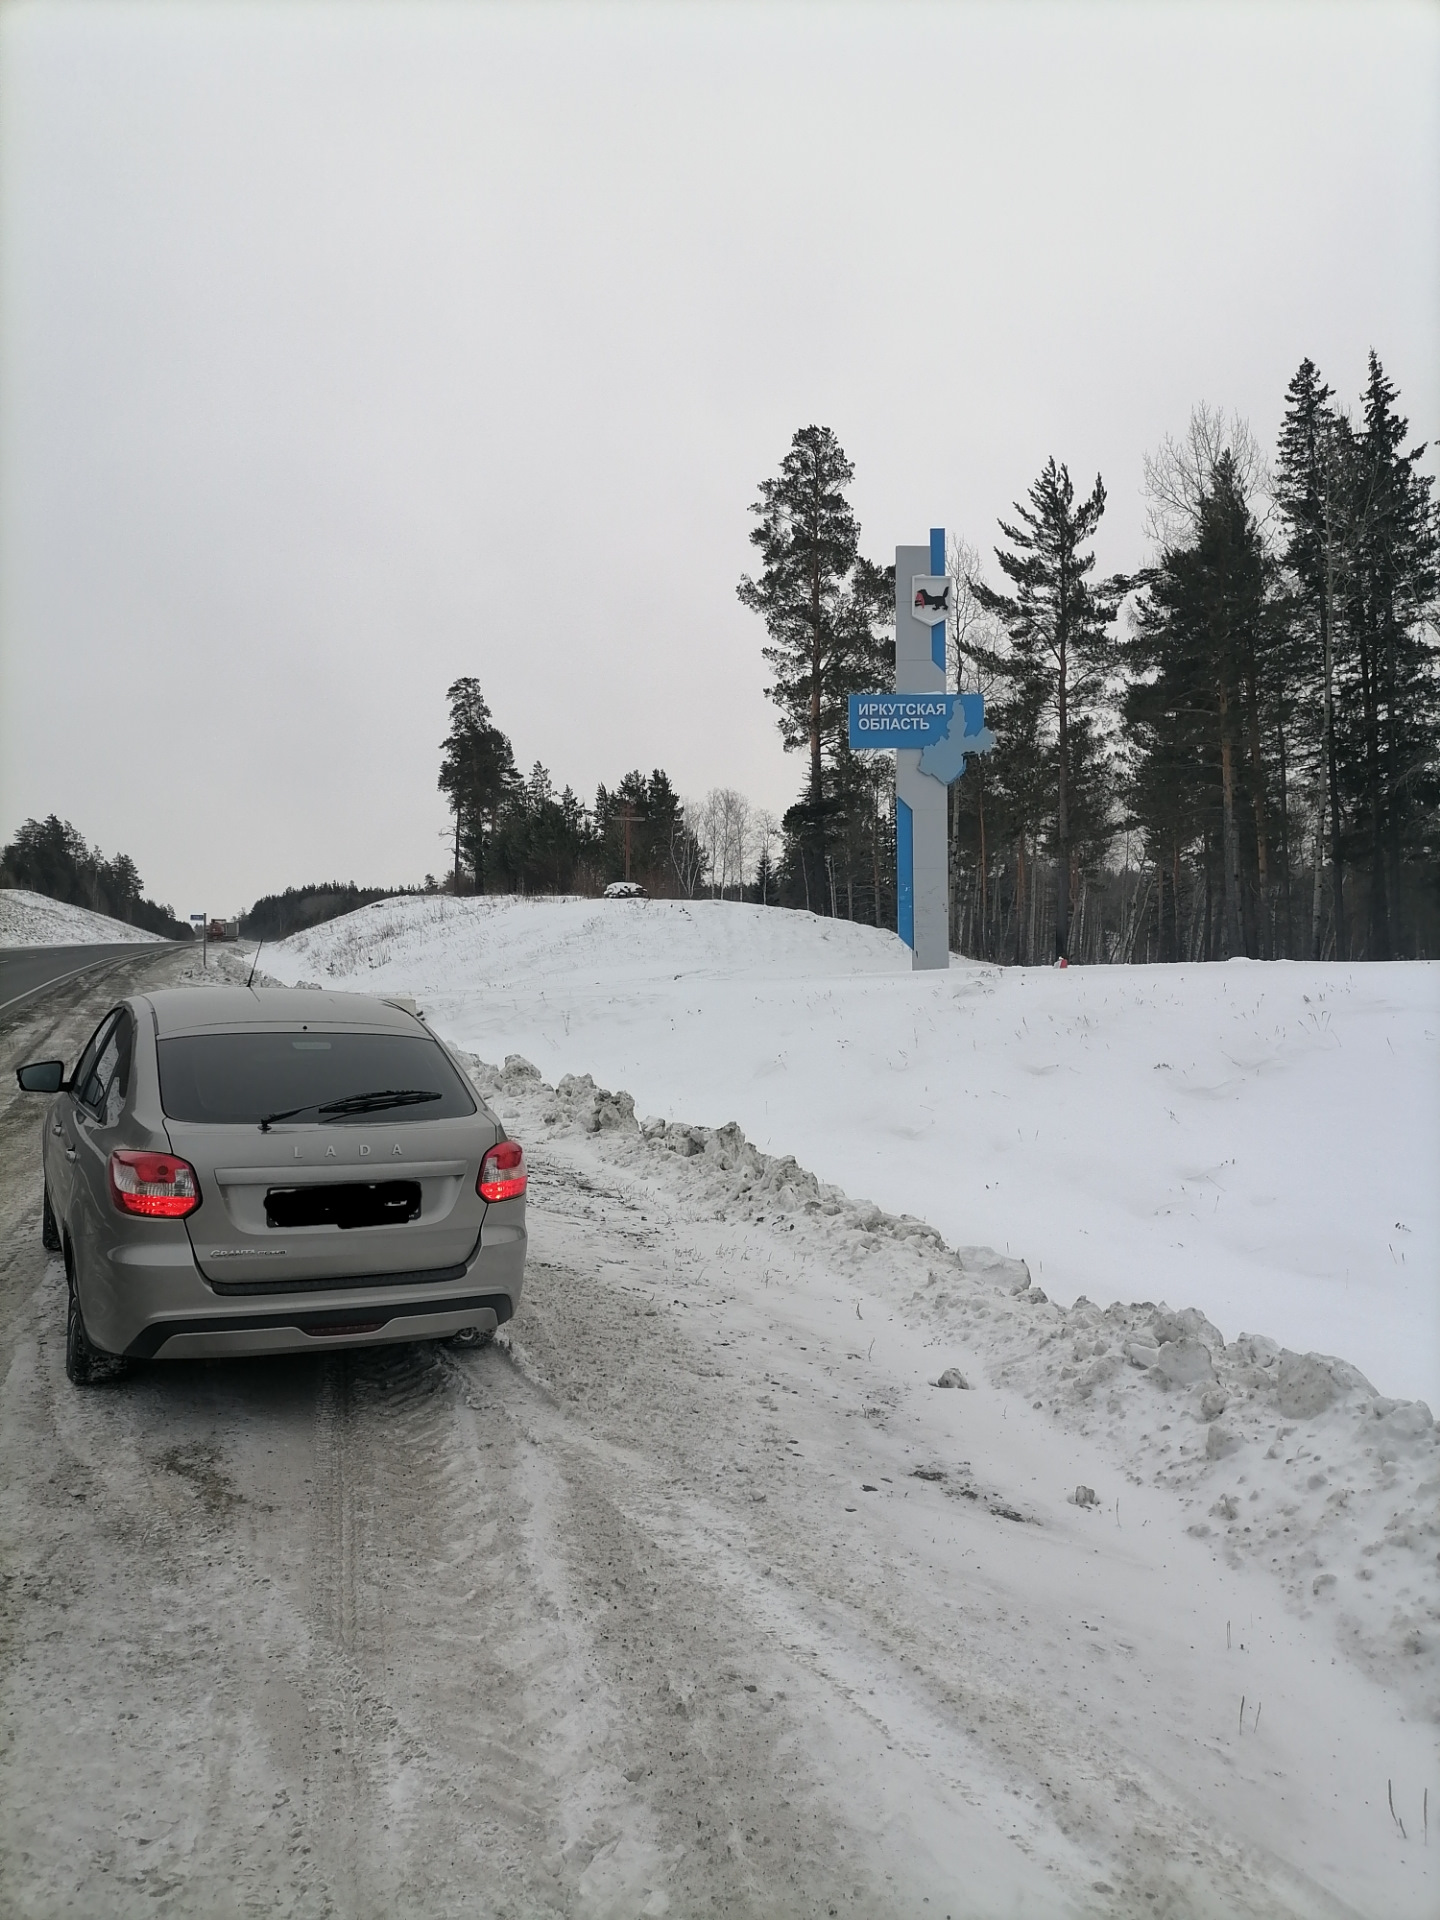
(276,915)
(52,857)
(1234,751)
(514,833)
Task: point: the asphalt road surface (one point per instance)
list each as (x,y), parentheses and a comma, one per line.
(28,971)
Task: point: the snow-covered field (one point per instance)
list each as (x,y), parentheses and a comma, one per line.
(1259,1142)
(33,920)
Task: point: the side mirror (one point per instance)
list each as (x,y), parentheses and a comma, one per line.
(43,1076)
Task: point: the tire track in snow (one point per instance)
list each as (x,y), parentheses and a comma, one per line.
(418,1778)
(688,1789)
(127,1728)
(451,1662)
(337,1809)
(777,1747)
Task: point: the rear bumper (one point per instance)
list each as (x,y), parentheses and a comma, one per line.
(303,1330)
(163,1309)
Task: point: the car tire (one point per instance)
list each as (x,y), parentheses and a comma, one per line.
(85,1364)
(49,1231)
(468,1339)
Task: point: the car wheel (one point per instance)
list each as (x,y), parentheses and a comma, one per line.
(49,1232)
(468,1338)
(85,1364)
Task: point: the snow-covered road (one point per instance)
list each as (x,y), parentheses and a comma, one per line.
(695,1594)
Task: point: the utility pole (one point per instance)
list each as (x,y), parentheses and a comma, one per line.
(628,819)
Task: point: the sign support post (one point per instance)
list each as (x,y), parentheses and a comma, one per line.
(920,802)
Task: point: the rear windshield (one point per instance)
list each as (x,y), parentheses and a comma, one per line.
(249,1077)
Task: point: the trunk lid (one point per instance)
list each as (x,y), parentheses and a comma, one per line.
(306,1205)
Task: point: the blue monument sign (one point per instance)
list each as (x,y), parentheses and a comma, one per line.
(932,731)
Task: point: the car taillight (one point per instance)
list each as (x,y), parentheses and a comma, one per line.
(502,1172)
(153,1183)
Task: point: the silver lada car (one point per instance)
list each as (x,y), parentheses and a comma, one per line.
(238,1171)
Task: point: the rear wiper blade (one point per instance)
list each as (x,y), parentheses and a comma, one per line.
(383,1097)
(356,1103)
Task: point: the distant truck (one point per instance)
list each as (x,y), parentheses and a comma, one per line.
(223,930)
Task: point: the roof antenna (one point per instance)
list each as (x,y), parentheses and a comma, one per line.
(254,963)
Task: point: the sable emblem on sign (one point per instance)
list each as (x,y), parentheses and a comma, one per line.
(930,597)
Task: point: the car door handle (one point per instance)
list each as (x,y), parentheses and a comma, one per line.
(56,1129)
(70,1153)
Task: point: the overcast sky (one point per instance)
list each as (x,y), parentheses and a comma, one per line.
(348,349)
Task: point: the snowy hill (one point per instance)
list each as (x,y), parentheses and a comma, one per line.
(1256,1141)
(34,920)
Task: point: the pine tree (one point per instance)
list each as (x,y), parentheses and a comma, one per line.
(809,541)
(477,775)
(1057,620)
(826,611)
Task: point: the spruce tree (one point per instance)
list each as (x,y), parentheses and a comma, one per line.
(1058,621)
(1310,470)
(1168,714)
(656,830)
(764,878)
(1192,710)
(1391,588)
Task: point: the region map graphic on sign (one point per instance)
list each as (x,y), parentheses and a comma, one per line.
(944,759)
(944,726)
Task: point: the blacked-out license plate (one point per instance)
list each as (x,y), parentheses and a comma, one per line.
(355,1203)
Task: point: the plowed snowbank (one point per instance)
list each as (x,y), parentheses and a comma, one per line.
(1281,1463)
